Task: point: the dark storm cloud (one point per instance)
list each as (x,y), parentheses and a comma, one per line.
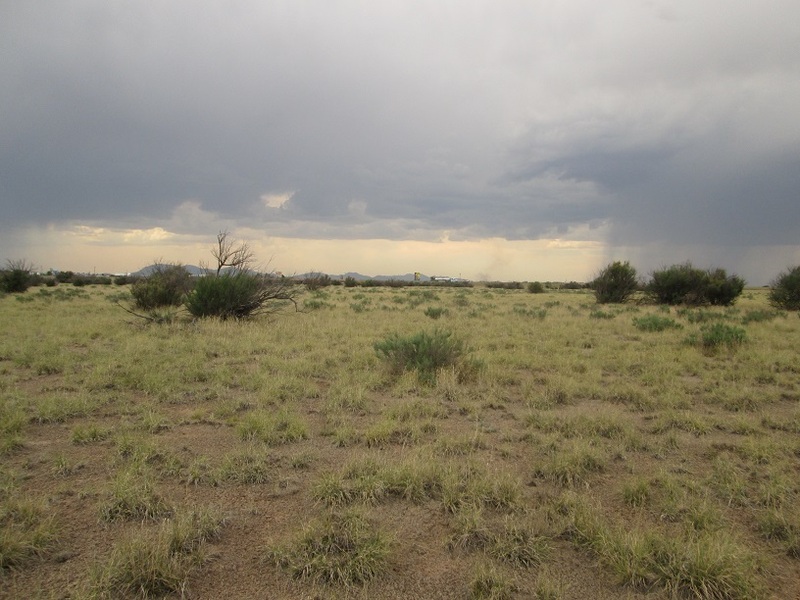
(661,121)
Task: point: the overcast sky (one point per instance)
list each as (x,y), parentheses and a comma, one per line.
(493,139)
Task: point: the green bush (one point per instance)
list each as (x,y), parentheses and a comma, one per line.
(536,287)
(424,352)
(685,284)
(167,285)
(785,292)
(231,295)
(16,278)
(616,283)
(721,289)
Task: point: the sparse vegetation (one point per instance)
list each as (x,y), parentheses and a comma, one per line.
(554,451)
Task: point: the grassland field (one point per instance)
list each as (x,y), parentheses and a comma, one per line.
(577,450)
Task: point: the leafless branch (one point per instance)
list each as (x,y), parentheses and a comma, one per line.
(228,254)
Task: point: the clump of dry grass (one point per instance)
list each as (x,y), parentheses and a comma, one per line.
(154,564)
(27,531)
(340,548)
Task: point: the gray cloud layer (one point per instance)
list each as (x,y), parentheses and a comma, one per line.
(670,122)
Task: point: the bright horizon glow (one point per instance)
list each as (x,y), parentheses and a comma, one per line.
(578,256)
(88,249)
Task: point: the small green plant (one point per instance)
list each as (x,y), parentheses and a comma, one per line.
(615,283)
(424,352)
(341,549)
(785,290)
(714,336)
(654,323)
(434,312)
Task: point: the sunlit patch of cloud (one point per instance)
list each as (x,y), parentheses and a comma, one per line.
(105,235)
(276,200)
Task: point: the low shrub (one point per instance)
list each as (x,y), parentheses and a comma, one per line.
(654,323)
(424,352)
(434,312)
(317,281)
(785,290)
(237,295)
(714,336)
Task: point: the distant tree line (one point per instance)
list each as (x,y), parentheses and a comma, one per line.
(232,289)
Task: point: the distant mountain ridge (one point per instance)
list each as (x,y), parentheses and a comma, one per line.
(198,271)
(149,269)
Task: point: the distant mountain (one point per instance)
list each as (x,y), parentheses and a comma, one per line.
(149,269)
(196,271)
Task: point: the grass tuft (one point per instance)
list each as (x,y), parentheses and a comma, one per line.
(26,532)
(133,498)
(156,564)
(340,549)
